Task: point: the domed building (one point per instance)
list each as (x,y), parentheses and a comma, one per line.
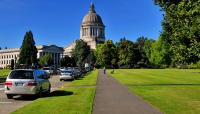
(92,30)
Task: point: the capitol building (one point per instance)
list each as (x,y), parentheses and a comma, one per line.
(92,31)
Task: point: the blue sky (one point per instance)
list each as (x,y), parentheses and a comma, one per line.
(58,21)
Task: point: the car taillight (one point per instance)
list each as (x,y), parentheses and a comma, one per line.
(32,83)
(8,83)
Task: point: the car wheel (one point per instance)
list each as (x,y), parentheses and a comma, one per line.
(39,94)
(9,96)
(49,90)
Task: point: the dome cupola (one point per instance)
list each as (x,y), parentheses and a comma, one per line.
(92,17)
(92,28)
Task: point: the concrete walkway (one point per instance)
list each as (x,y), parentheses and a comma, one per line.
(114,98)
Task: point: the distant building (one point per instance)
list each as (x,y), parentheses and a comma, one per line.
(92,31)
(6,55)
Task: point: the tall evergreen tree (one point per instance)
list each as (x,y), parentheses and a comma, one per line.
(28,50)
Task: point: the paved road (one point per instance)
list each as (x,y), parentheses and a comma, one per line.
(10,105)
(114,98)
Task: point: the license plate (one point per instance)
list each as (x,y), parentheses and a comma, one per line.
(19,83)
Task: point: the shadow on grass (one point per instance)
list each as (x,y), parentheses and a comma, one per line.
(52,94)
(163,84)
(60,93)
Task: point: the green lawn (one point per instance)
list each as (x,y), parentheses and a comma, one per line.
(67,100)
(4,73)
(173,91)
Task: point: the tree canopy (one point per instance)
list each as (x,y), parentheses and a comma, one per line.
(81,52)
(181,30)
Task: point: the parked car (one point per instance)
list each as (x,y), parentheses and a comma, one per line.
(27,82)
(67,74)
(48,70)
(76,70)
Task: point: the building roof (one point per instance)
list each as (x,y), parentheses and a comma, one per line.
(92,17)
(40,47)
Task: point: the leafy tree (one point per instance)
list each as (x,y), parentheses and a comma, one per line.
(99,55)
(181,29)
(143,60)
(159,54)
(80,53)
(91,59)
(46,60)
(106,54)
(148,48)
(128,53)
(28,50)
(67,62)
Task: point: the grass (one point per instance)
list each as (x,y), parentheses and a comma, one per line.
(67,100)
(4,73)
(173,91)
(88,80)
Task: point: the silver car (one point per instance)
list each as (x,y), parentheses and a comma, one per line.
(67,74)
(27,82)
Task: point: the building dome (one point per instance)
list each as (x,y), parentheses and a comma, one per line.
(92,17)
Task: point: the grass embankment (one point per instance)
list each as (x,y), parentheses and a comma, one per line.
(67,100)
(173,91)
(4,73)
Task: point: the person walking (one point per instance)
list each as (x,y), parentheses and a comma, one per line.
(104,70)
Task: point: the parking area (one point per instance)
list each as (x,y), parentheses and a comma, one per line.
(9,105)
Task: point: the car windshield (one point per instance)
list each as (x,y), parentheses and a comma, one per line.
(21,74)
(66,71)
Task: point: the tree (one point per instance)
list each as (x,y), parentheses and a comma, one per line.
(68,62)
(148,48)
(81,52)
(46,60)
(143,60)
(12,64)
(28,50)
(128,53)
(160,54)
(91,59)
(106,54)
(181,30)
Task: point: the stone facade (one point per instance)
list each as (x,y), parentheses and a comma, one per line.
(6,55)
(92,31)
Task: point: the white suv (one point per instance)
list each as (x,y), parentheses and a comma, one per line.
(27,82)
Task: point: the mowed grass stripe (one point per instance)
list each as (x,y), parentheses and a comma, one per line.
(173,91)
(160,76)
